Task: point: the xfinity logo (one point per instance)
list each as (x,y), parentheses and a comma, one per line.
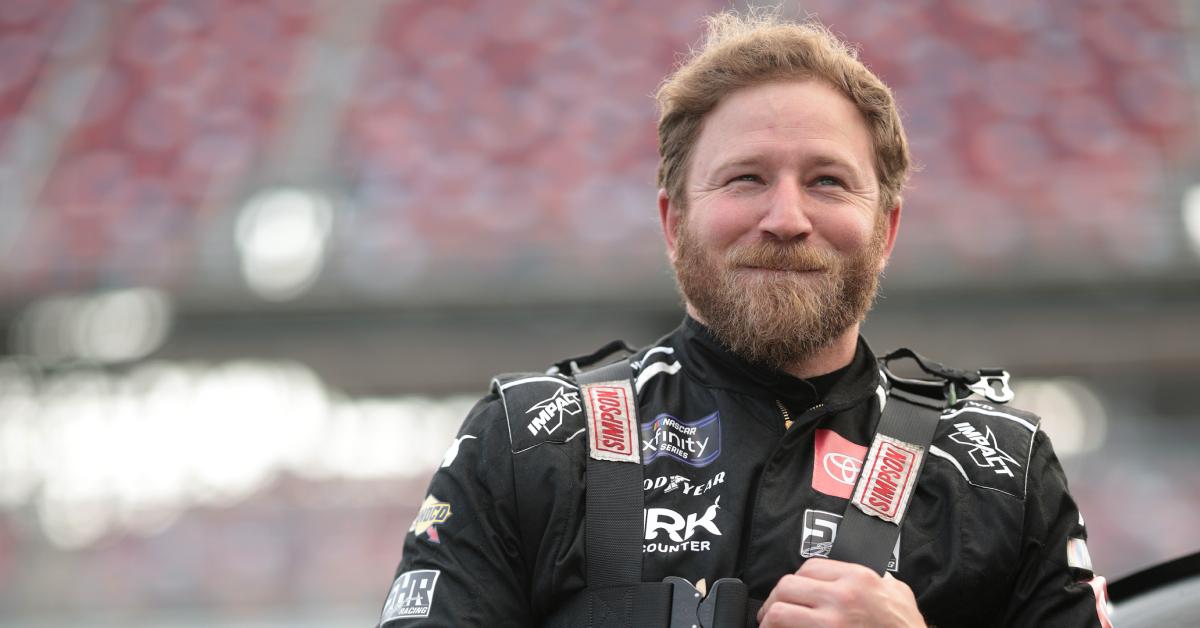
(680,529)
(697,443)
(550,411)
(984,450)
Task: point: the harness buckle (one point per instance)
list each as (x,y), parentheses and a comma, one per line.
(993,385)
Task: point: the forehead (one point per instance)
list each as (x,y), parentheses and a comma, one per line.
(791,120)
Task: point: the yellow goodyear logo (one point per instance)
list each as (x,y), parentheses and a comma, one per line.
(432,513)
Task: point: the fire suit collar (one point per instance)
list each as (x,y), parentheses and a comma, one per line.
(716,366)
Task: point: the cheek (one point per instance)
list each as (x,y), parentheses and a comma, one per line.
(849,231)
(722,226)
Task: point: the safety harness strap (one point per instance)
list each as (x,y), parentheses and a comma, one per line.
(871,522)
(614,498)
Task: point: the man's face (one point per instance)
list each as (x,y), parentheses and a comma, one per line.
(781,245)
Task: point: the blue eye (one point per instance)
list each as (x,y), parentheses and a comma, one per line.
(828,180)
(753,178)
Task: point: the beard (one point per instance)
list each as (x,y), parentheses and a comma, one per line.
(778,319)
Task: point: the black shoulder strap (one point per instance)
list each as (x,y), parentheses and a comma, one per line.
(871,522)
(614,496)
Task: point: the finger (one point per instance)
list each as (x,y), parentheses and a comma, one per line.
(784,615)
(830,570)
(801,591)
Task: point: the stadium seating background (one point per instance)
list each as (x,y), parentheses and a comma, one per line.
(499,155)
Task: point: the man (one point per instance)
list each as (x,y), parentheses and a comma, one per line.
(782,163)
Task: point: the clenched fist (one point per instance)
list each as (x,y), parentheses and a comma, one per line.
(833,594)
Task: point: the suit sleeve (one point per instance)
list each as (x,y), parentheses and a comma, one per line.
(1055,584)
(462,564)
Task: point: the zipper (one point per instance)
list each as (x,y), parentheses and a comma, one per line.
(787,417)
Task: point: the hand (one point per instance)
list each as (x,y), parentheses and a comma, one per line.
(831,593)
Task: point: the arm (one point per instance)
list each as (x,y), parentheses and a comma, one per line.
(1054,585)
(462,563)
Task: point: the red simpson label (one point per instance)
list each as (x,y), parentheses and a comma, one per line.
(888,478)
(611,421)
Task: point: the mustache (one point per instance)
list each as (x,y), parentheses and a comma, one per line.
(793,257)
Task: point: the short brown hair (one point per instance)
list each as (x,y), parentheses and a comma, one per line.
(760,47)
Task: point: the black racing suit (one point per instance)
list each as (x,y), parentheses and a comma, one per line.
(746,474)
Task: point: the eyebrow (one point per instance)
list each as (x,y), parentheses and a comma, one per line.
(816,161)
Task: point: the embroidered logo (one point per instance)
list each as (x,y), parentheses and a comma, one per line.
(836,463)
(672,483)
(411,595)
(431,514)
(550,411)
(612,421)
(820,532)
(983,448)
(890,473)
(697,443)
(680,529)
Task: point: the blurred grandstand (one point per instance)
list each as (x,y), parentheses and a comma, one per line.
(258,256)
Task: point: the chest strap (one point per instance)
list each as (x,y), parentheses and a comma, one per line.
(614,482)
(871,522)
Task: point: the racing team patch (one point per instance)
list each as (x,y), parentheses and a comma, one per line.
(888,478)
(612,421)
(411,595)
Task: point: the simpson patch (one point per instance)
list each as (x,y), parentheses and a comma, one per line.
(540,409)
(989,447)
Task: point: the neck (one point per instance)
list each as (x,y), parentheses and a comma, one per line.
(835,355)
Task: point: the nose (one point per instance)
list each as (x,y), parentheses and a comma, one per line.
(786,216)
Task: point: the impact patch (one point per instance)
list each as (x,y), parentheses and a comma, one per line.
(697,443)
(888,478)
(989,447)
(540,409)
(612,421)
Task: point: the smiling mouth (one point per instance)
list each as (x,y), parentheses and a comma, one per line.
(769,269)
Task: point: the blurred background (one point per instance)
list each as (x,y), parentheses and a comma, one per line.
(258,257)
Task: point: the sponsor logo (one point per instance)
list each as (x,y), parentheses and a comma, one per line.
(836,463)
(411,595)
(431,514)
(680,529)
(890,475)
(672,483)
(983,448)
(452,451)
(820,531)
(611,421)
(697,443)
(550,411)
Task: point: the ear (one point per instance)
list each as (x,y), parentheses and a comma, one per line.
(893,226)
(671,217)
